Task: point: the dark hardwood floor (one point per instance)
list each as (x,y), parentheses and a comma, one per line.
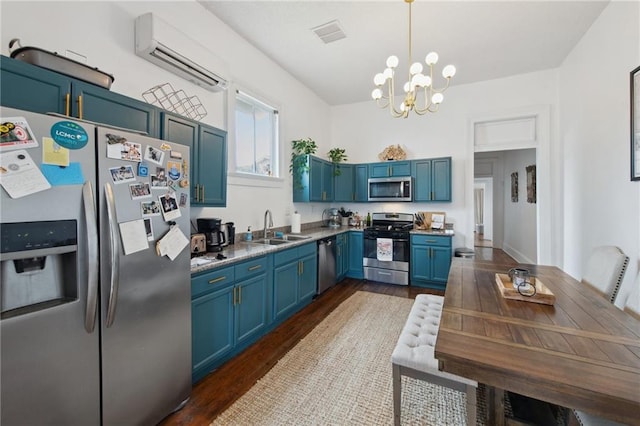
(216,392)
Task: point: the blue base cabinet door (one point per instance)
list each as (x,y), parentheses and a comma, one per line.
(212,327)
(342,256)
(308,278)
(285,289)
(430,260)
(356,253)
(251,307)
(295,279)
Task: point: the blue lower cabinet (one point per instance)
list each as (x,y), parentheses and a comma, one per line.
(430,260)
(356,253)
(212,329)
(228,312)
(342,256)
(295,280)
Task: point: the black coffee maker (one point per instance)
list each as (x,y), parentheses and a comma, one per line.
(212,230)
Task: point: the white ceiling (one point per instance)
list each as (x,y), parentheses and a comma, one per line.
(483,39)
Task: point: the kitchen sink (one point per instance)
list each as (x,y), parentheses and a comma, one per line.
(291,237)
(270,241)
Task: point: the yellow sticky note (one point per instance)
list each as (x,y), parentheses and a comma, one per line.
(52,153)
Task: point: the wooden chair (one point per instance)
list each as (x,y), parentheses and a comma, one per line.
(584,418)
(605,270)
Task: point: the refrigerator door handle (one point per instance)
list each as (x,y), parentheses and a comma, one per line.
(113,252)
(92,254)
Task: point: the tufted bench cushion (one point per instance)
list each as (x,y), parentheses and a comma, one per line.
(413,355)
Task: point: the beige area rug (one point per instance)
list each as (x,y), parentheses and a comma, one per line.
(340,374)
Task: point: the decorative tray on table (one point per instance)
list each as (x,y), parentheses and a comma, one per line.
(542,295)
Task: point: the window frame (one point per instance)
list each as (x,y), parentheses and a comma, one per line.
(276,147)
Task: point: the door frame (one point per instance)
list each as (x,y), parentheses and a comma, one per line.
(532,129)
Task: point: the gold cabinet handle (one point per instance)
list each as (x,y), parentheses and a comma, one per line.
(234,296)
(253,268)
(217,280)
(301,267)
(80,107)
(240,295)
(67,105)
(202,198)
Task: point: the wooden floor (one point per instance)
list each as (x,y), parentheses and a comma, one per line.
(216,392)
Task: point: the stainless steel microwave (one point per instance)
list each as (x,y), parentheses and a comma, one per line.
(390,189)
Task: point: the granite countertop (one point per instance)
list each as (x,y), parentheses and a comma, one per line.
(243,250)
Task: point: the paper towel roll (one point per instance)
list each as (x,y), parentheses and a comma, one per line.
(295,223)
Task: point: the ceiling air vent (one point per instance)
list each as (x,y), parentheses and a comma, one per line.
(329,32)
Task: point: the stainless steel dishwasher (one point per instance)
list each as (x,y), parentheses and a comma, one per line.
(326,263)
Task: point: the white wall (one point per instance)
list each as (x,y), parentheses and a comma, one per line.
(602,205)
(104,32)
(364,130)
(520,227)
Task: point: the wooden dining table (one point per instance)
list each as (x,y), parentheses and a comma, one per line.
(581,352)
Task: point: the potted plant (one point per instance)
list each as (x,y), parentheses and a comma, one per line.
(337,155)
(299,150)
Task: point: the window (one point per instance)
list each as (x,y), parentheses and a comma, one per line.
(256,136)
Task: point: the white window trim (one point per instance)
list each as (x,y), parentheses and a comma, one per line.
(236,178)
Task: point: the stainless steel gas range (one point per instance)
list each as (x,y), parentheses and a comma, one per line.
(386,248)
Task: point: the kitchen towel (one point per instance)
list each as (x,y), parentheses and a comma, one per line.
(295,223)
(384,249)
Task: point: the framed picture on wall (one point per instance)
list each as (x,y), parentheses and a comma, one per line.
(635,124)
(514,187)
(531,184)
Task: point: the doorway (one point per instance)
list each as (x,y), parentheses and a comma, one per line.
(483,211)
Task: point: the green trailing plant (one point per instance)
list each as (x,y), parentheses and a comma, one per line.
(337,156)
(299,150)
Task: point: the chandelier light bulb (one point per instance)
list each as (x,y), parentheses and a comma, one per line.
(415,81)
(431,58)
(407,87)
(392,61)
(426,81)
(416,68)
(379,79)
(387,74)
(437,98)
(449,71)
(376,94)
(402,107)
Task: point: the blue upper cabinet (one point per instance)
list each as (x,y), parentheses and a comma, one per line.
(390,169)
(36,89)
(361,176)
(344,184)
(432,179)
(312,179)
(208,145)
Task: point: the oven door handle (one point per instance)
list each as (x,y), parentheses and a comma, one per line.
(400,240)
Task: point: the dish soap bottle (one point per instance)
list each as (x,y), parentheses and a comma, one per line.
(248,235)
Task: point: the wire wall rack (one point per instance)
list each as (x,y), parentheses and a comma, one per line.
(166,97)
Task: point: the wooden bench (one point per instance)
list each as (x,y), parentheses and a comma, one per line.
(413,355)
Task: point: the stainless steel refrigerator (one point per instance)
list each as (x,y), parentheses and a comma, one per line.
(96,321)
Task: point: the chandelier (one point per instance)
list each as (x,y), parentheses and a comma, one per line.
(417,84)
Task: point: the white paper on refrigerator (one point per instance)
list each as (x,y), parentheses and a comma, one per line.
(134,236)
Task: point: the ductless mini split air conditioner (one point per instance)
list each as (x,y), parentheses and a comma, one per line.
(169,48)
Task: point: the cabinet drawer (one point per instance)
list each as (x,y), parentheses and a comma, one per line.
(251,267)
(211,281)
(431,240)
(307,249)
(285,256)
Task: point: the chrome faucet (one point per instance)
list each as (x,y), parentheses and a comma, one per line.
(269,225)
